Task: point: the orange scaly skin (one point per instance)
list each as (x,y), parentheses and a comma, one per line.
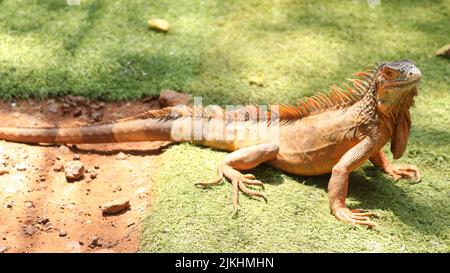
(327,133)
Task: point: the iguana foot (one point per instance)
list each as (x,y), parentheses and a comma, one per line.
(355,217)
(239,181)
(403,171)
(244,159)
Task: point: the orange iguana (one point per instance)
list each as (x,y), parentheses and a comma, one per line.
(333,132)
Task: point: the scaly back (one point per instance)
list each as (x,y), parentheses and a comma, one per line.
(336,98)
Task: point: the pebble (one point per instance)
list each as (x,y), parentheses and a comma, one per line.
(74,170)
(21,167)
(93,175)
(73,247)
(58,167)
(257,80)
(3,170)
(78,112)
(444,51)
(4,248)
(28,230)
(29,204)
(121,156)
(169,98)
(158,24)
(94,242)
(115,206)
(9,205)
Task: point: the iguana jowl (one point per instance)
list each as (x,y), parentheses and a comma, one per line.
(334,132)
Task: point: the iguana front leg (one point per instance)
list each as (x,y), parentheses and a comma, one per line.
(380,160)
(338,184)
(243,159)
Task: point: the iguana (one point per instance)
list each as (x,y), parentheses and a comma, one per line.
(333,132)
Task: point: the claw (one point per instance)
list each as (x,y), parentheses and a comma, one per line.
(249,176)
(212,182)
(355,217)
(235,184)
(253,182)
(250,192)
(360,212)
(235,213)
(404,171)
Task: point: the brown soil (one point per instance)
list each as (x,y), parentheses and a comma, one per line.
(38,204)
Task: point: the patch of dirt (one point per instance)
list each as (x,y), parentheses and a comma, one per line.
(40,211)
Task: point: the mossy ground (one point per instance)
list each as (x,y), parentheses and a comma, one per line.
(104,50)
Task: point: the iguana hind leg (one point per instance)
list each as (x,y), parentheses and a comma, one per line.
(243,159)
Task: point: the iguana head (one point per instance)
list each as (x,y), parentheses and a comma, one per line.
(395,80)
(396,85)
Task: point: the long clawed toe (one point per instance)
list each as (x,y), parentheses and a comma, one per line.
(405,171)
(360,212)
(250,192)
(212,182)
(249,179)
(356,217)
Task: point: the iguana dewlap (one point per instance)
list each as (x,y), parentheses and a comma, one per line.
(334,132)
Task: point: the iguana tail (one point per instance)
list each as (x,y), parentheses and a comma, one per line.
(126,131)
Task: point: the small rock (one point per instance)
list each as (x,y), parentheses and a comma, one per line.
(9,205)
(43,221)
(96,167)
(53,107)
(121,156)
(117,188)
(3,160)
(74,170)
(96,116)
(158,25)
(169,98)
(62,233)
(116,206)
(47,227)
(73,247)
(28,230)
(147,99)
(3,170)
(257,80)
(29,204)
(65,108)
(94,242)
(58,167)
(76,157)
(4,248)
(78,112)
(93,175)
(21,166)
(443,51)
(75,100)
